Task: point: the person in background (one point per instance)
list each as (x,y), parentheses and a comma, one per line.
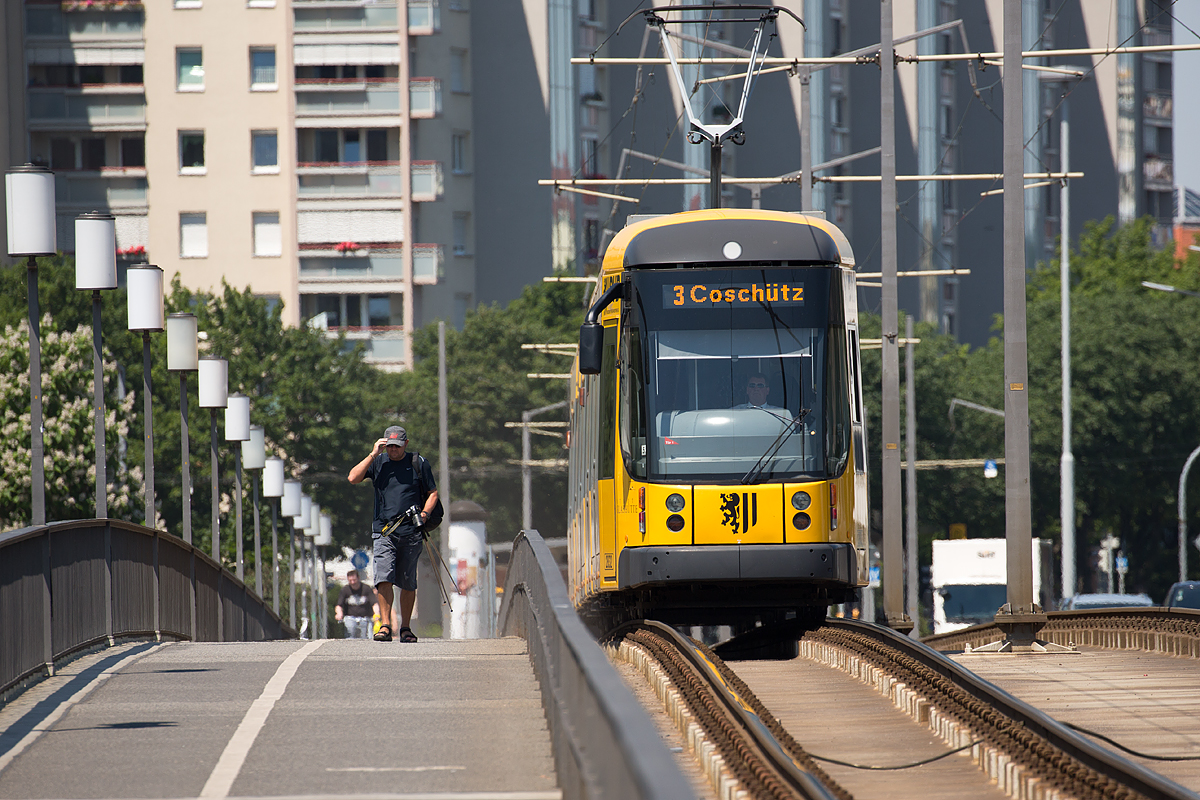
(757,390)
(355,607)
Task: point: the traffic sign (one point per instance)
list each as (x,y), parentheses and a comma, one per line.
(1122,564)
(989,469)
(874,573)
(360,559)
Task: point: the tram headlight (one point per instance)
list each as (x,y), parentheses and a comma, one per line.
(675,503)
(801,501)
(801,521)
(675,523)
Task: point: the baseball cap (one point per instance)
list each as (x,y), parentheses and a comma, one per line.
(395,435)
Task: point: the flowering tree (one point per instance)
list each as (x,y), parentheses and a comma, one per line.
(68,421)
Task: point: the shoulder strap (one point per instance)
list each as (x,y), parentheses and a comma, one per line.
(418,459)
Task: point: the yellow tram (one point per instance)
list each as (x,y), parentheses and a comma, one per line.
(717,441)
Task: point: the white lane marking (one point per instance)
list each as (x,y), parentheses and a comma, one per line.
(230,763)
(391,769)
(65,706)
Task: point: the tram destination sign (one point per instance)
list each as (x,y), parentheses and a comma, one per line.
(732,295)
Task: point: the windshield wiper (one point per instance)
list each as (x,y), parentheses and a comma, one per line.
(792,425)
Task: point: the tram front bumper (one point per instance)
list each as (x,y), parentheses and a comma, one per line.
(809,563)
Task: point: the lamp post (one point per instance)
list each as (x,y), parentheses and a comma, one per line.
(254,457)
(310,535)
(95,271)
(214,394)
(183,357)
(298,524)
(144,286)
(237,429)
(289,506)
(32,232)
(323,539)
(273,485)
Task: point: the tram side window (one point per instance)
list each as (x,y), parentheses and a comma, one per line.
(633,405)
(608,403)
(837,401)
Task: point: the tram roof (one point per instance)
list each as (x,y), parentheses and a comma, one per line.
(702,236)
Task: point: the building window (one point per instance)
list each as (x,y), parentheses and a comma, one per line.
(190,67)
(130,74)
(589,160)
(193,235)
(189,3)
(267,238)
(191,153)
(264,152)
(591,238)
(133,152)
(379,311)
(262,70)
(377,144)
(92,151)
(458,153)
(459,71)
(462,223)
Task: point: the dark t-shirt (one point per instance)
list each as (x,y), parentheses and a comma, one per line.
(397,489)
(360,603)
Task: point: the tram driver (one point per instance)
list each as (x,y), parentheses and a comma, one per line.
(757,390)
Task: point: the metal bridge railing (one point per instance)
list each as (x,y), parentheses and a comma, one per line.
(68,586)
(605,744)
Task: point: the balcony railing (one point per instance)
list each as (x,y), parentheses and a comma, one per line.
(340,180)
(90,109)
(344,84)
(1158,106)
(354,18)
(424,98)
(113,21)
(91,188)
(427,184)
(350,267)
(424,17)
(1159,171)
(428,263)
(371,101)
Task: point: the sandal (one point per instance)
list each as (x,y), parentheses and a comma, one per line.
(406,635)
(384,634)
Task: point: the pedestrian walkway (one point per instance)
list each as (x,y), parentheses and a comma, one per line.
(333,718)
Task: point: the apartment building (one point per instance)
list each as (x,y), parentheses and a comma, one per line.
(318,151)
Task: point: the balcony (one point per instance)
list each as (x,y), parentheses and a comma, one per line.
(424,98)
(381,101)
(428,263)
(79,21)
(363,179)
(384,346)
(1159,173)
(115,188)
(387,266)
(71,109)
(1158,106)
(345,18)
(427,184)
(347,84)
(424,17)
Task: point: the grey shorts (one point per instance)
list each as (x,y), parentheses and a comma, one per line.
(395,560)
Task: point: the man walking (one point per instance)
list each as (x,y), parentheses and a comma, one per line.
(401,481)
(355,606)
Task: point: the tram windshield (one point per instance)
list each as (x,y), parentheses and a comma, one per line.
(735,375)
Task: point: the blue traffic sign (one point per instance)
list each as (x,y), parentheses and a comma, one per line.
(360,559)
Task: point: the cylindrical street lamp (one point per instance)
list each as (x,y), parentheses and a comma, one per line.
(214,394)
(254,457)
(144,288)
(298,524)
(95,271)
(290,507)
(32,232)
(237,429)
(273,485)
(183,357)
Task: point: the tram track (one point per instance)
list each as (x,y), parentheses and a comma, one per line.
(1026,753)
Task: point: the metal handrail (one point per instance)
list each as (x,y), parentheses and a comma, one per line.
(69,586)
(605,744)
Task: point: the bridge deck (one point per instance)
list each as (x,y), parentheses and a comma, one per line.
(353,718)
(1147,702)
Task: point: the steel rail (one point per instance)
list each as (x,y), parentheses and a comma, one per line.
(1021,731)
(770,759)
(1157,630)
